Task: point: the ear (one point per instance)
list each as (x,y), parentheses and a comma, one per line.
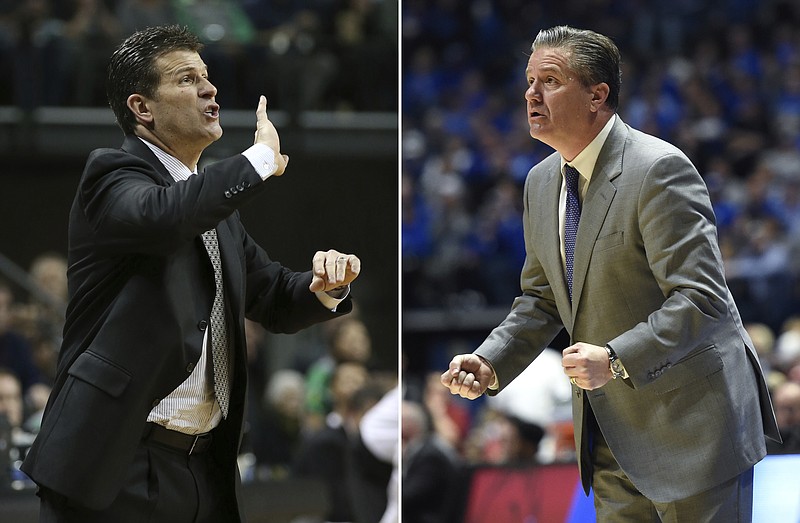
(138,105)
(599,95)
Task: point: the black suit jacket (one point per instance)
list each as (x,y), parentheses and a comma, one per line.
(141,288)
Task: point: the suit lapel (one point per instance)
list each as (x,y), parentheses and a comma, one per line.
(596,204)
(551,256)
(133,145)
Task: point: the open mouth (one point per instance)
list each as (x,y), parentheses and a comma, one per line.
(212,111)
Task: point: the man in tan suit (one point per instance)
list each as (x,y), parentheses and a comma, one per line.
(670,405)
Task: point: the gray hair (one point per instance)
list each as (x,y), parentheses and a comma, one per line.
(593,57)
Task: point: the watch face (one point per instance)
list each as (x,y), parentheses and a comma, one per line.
(617,369)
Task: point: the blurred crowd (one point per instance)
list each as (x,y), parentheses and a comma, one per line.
(304,55)
(720,79)
(319,404)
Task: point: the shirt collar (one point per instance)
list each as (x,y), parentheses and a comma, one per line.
(175,167)
(587,158)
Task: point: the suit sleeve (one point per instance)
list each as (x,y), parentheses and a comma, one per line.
(131,209)
(679,237)
(277,297)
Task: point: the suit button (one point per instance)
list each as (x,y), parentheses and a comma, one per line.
(240,187)
(246,184)
(650,375)
(155,403)
(202,324)
(658,373)
(190,367)
(228,194)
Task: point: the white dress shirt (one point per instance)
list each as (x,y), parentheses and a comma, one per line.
(192,408)
(584,163)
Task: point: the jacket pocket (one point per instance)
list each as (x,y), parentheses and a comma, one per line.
(98,371)
(693,367)
(609,241)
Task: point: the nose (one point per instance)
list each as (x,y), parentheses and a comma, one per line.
(532,92)
(207,89)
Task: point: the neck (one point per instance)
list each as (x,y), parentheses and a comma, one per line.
(188,155)
(597,122)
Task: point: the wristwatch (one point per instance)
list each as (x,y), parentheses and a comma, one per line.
(614,365)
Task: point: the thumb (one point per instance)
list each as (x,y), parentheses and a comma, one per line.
(455,365)
(317,284)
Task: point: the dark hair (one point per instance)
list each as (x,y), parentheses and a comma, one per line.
(593,57)
(132,67)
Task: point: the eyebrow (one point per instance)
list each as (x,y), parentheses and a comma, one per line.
(545,69)
(186,68)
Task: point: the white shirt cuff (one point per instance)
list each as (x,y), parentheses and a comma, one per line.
(263,160)
(332,298)
(494,385)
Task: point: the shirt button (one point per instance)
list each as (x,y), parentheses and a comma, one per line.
(202,324)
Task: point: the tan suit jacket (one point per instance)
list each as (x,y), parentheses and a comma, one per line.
(649,283)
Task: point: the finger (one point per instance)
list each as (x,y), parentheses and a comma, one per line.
(261,111)
(466,379)
(341,267)
(454,386)
(446,378)
(471,392)
(355,265)
(318,263)
(476,390)
(330,266)
(318,270)
(455,367)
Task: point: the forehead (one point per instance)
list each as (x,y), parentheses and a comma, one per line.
(175,62)
(548,59)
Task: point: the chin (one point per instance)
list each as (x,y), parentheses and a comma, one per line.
(537,132)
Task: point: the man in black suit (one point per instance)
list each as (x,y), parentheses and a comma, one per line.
(145,418)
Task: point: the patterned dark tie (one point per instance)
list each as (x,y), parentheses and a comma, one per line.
(219,330)
(572,215)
